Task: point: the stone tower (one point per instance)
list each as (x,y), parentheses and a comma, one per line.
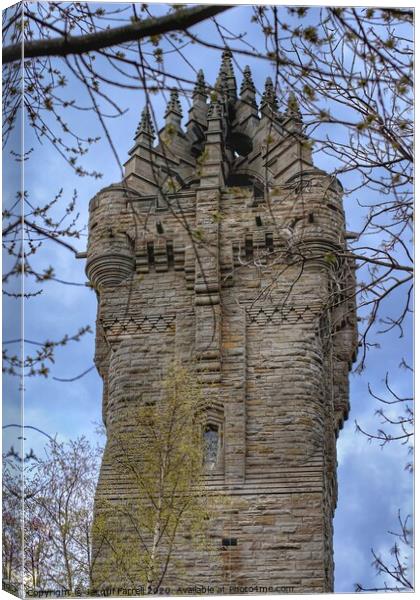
(225,247)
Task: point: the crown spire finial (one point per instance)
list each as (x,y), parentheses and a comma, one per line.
(227,64)
(226,71)
(145,127)
(269,98)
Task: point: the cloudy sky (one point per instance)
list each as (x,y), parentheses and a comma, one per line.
(373,485)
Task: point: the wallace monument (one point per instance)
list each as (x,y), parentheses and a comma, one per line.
(224,248)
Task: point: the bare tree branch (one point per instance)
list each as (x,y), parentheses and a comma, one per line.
(179,20)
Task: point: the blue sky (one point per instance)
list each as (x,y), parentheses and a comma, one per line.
(372,482)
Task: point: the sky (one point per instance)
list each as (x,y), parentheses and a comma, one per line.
(373,485)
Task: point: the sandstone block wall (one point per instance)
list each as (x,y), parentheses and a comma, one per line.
(277,377)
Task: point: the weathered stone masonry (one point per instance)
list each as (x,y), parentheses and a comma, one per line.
(224,247)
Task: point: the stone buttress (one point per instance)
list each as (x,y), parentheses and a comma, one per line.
(225,247)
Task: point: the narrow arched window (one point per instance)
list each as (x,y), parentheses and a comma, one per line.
(211,446)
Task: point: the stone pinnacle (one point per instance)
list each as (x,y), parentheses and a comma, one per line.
(200,85)
(293,107)
(174,105)
(215,110)
(247,82)
(269,98)
(145,126)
